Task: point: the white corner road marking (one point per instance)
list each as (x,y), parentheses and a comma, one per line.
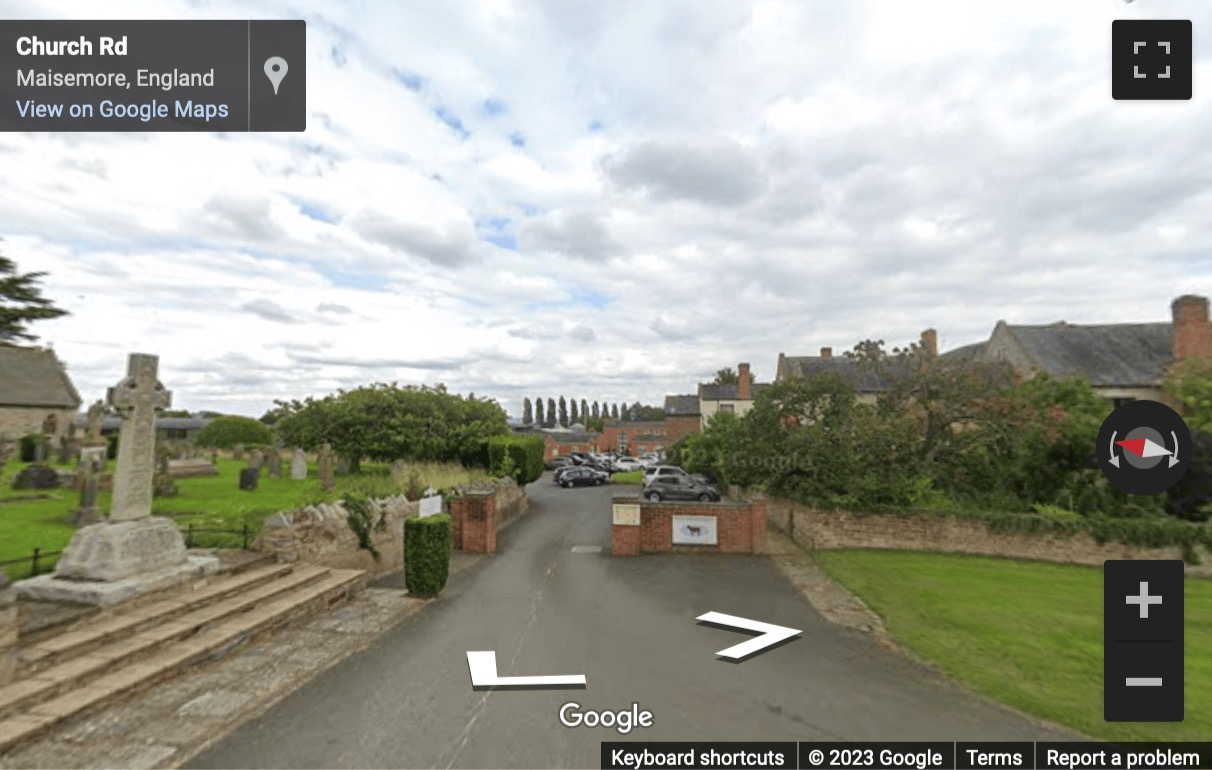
(770,634)
(483,667)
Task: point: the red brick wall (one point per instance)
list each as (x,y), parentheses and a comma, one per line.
(474,523)
(553,448)
(740,528)
(816,529)
(642,437)
(680,427)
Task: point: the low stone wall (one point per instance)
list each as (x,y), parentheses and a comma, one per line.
(740,527)
(320,534)
(9,626)
(817,529)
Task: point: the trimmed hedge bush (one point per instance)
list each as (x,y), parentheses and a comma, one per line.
(517,456)
(426,554)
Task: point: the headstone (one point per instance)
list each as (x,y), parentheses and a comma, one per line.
(214,457)
(325,466)
(163,485)
(93,458)
(298,465)
(133,552)
(87,513)
(256,460)
(186,469)
(273,461)
(96,413)
(237,452)
(36,476)
(67,450)
(249,478)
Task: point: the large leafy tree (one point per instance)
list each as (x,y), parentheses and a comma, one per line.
(527,412)
(573,411)
(387,422)
(584,410)
(551,412)
(563,412)
(227,431)
(22,303)
(538,413)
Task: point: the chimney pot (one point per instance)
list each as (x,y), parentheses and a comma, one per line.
(826,352)
(1192,335)
(930,342)
(742,379)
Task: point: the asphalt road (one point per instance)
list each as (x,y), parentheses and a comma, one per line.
(628,625)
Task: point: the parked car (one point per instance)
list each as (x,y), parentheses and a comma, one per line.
(626,465)
(559,474)
(647,461)
(580,458)
(556,463)
(583,477)
(662,470)
(674,487)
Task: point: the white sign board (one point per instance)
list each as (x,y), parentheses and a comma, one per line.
(431,506)
(627,514)
(694,530)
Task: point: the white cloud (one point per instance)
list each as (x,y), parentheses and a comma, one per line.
(687,185)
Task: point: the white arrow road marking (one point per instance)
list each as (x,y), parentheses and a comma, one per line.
(483,666)
(770,634)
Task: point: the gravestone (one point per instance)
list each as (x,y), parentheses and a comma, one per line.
(163,484)
(273,461)
(256,460)
(298,465)
(67,450)
(87,513)
(36,476)
(237,452)
(249,478)
(214,457)
(132,552)
(325,465)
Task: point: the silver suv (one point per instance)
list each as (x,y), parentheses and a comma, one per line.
(654,471)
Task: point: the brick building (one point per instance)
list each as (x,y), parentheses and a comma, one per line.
(737,399)
(636,438)
(682,416)
(36,395)
(564,443)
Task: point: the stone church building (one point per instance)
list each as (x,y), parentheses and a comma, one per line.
(36,395)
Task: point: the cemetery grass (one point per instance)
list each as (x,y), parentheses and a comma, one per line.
(1028,634)
(42,519)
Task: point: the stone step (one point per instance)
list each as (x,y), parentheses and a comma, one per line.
(83,637)
(141,671)
(74,672)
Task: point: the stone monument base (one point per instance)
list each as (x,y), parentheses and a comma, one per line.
(113,550)
(52,588)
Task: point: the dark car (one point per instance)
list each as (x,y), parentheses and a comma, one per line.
(556,463)
(582,477)
(579,458)
(673,487)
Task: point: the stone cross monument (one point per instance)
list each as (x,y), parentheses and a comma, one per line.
(136,399)
(133,552)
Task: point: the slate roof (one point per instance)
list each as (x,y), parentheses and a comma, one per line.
(678,406)
(572,438)
(966,353)
(712,392)
(1123,355)
(862,380)
(34,377)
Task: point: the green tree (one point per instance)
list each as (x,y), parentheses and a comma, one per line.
(595,425)
(597,410)
(614,411)
(22,303)
(551,413)
(538,413)
(527,412)
(1189,383)
(729,376)
(584,410)
(227,431)
(384,422)
(563,412)
(573,411)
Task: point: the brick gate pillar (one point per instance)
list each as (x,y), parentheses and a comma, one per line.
(474,522)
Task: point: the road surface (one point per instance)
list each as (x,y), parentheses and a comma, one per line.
(628,625)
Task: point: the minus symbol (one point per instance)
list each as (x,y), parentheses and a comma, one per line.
(1144,681)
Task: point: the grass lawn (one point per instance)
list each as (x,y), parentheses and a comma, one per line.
(1028,634)
(31,519)
(630,477)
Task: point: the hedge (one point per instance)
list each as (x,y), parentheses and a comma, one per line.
(426,554)
(517,456)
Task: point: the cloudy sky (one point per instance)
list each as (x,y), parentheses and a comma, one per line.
(613,200)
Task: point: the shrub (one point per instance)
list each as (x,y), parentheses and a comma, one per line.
(524,454)
(362,521)
(227,431)
(426,554)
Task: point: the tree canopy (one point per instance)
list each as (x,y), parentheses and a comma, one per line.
(22,303)
(227,431)
(384,422)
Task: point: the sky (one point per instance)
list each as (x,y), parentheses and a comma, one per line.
(612,201)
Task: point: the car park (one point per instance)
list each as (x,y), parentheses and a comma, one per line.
(660,471)
(583,477)
(673,487)
(647,461)
(556,463)
(626,465)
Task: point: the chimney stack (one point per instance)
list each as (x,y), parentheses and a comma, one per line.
(930,342)
(742,382)
(826,352)
(1192,337)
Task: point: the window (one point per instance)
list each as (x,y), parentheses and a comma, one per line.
(727,408)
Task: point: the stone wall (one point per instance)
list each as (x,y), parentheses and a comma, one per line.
(320,534)
(817,529)
(16,422)
(9,624)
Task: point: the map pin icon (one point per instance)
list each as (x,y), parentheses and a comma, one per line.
(275,70)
